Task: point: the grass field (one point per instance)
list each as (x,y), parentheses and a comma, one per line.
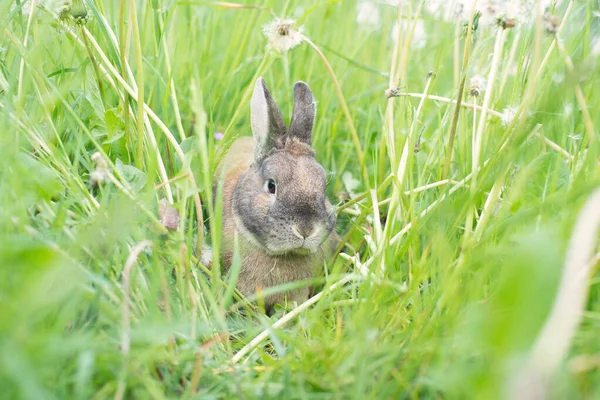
(456,221)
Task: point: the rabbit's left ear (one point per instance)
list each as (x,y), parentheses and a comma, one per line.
(303,117)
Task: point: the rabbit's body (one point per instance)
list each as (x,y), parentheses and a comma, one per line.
(274,201)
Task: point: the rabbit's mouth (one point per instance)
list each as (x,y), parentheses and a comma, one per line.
(301,249)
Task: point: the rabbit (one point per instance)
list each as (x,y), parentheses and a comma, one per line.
(274,200)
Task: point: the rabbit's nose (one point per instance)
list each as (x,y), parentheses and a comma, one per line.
(304,230)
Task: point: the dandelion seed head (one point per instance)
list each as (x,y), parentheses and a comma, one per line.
(558,77)
(100,172)
(99,160)
(508,115)
(283,35)
(551,23)
(368,15)
(478,85)
(206,257)
(507,13)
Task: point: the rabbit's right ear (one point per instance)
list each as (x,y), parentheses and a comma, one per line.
(266,120)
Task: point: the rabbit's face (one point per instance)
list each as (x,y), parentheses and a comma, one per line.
(281,204)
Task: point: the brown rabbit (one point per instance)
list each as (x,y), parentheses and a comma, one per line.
(274,199)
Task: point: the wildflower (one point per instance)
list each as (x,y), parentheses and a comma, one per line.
(219,136)
(478,85)
(283,35)
(101,172)
(350,183)
(368,15)
(508,114)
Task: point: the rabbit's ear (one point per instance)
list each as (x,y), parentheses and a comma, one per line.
(266,120)
(303,117)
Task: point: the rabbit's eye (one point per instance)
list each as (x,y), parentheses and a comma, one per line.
(270,186)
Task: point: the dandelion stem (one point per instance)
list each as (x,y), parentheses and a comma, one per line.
(453,127)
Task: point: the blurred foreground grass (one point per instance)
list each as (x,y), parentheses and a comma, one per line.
(98,299)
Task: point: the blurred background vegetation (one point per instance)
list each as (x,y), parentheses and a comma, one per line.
(450,269)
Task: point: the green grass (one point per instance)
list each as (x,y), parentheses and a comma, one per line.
(98,300)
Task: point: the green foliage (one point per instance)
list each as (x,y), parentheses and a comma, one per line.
(462,276)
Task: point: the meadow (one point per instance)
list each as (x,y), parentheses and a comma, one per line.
(462,154)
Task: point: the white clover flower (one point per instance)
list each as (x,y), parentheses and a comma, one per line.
(368,15)
(558,77)
(478,85)
(283,35)
(206,257)
(419,38)
(98,176)
(350,183)
(101,172)
(508,115)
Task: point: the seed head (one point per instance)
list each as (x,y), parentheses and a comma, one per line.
(478,84)
(551,23)
(283,35)
(367,15)
(394,91)
(100,172)
(508,114)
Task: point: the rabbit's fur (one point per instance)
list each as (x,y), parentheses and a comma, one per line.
(283,236)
